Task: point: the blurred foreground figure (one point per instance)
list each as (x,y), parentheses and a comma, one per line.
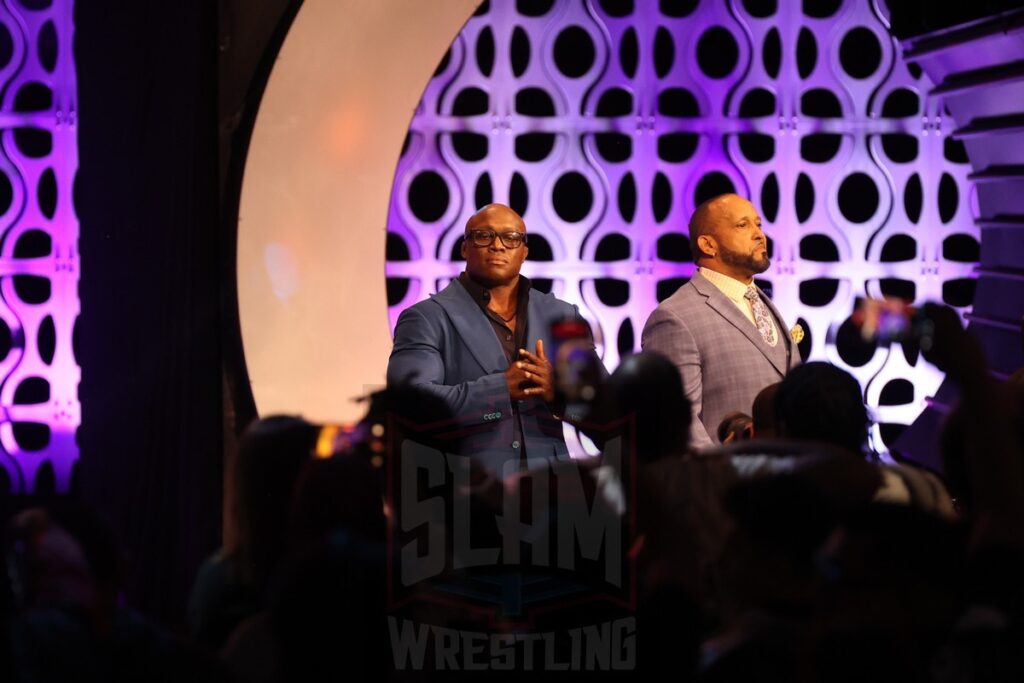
(65,571)
(232,584)
(323,616)
(818,402)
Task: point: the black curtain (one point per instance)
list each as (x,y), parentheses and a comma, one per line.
(150,332)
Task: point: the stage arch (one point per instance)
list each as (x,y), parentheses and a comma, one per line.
(618,120)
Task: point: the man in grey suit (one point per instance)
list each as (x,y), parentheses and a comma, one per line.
(719,329)
(467,345)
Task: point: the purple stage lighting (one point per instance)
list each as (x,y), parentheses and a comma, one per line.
(605,123)
(39,287)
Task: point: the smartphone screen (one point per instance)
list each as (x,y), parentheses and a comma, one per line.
(884,320)
(576,375)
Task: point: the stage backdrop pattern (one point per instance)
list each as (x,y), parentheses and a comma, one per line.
(39,374)
(605,122)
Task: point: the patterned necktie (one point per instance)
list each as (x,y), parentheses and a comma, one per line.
(762,317)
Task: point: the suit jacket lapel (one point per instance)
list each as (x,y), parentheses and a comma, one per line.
(724,306)
(472,325)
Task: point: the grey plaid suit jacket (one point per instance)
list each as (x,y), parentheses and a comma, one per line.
(721,357)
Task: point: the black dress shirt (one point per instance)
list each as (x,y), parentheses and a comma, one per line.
(511,340)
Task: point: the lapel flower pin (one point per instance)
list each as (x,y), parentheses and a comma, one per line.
(797,333)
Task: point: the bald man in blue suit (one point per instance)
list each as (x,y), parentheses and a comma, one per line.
(481,345)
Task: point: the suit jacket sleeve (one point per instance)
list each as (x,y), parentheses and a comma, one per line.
(417,359)
(668,335)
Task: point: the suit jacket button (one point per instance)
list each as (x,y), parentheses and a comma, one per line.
(515,444)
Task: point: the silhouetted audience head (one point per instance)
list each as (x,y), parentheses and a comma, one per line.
(63,555)
(647,386)
(328,609)
(406,412)
(780,523)
(342,492)
(893,588)
(736,427)
(328,614)
(70,625)
(820,402)
(763,412)
(271,453)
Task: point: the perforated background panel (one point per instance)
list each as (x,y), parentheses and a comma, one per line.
(39,244)
(604,124)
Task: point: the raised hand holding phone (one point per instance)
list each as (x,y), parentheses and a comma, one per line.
(885,320)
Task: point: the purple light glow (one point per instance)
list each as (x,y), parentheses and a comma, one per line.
(889,136)
(39,287)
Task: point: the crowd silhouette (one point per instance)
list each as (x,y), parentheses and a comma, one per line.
(792,552)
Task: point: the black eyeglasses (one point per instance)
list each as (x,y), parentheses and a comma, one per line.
(485,238)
